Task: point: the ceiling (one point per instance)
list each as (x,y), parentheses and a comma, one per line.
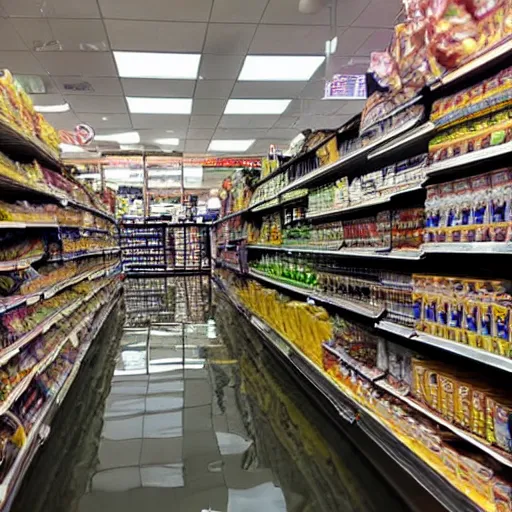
(71,42)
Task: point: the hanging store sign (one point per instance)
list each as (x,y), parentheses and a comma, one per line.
(346,87)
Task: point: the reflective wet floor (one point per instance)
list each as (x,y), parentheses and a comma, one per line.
(178,417)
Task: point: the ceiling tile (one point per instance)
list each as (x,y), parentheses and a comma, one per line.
(208,107)
(351,107)
(351,39)
(163,121)
(287,122)
(350,65)
(9,38)
(197,146)
(380,13)
(282,133)
(348,11)
(316,122)
(113,121)
(47,99)
(220,66)
(314,90)
(78,63)
(158,88)
(220,89)
(156,35)
(312,107)
(229,38)
(204,121)
(378,41)
(98,104)
(88,86)
(284,90)
(200,133)
(289,40)
(152,135)
(240,133)
(240,11)
(177,10)
(242,121)
(64,121)
(23,63)
(51,8)
(62,35)
(287,12)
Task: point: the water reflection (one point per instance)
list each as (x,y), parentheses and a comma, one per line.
(192,423)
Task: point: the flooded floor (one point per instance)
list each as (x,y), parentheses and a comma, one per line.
(176,417)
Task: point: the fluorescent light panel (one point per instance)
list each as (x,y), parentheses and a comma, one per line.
(120,138)
(158,65)
(139,105)
(279,68)
(230,145)
(168,142)
(256,106)
(47,109)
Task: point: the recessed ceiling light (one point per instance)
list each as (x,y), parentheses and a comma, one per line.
(120,138)
(46,109)
(280,68)
(168,142)
(159,105)
(256,106)
(230,145)
(104,118)
(157,65)
(70,148)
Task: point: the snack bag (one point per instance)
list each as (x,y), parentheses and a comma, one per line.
(486,325)
(501,330)
(499,421)
(447,397)
(471,331)
(463,404)
(502,495)
(478,412)
(476,474)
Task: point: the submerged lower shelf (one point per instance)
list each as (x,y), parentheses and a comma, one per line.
(349,408)
(41,428)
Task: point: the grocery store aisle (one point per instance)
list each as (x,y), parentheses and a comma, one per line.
(196,422)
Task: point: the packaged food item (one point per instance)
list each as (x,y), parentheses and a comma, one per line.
(498,421)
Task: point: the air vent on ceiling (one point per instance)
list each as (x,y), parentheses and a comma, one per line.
(47,46)
(79,87)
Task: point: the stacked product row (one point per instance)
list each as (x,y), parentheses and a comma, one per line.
(59,280)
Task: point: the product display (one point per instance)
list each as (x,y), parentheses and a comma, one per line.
(59,279)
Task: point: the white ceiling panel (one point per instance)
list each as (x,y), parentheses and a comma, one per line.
(200,133)
(47,99)
(220,67)
(98,104)
(380,13)
(351,107)
(177,10)
(21,62)
(314,90)
(51,8)
(241,11)
(229,38)
(282,133)
(287,122)
(216,89)
(146,87)
(204,121)
(62,35)
(311,107)
(197,146)
(9,38)
(241,121)
(289,40)
(164,121)
(316,122)
(113,121)
(284,90)
(78,63)
(350,65)
(348,11)
(287,12)
(380,40)
(240,133)
(351,39)
(64,121)
(89,86)
(208,107)
(161,133)
(156,36)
